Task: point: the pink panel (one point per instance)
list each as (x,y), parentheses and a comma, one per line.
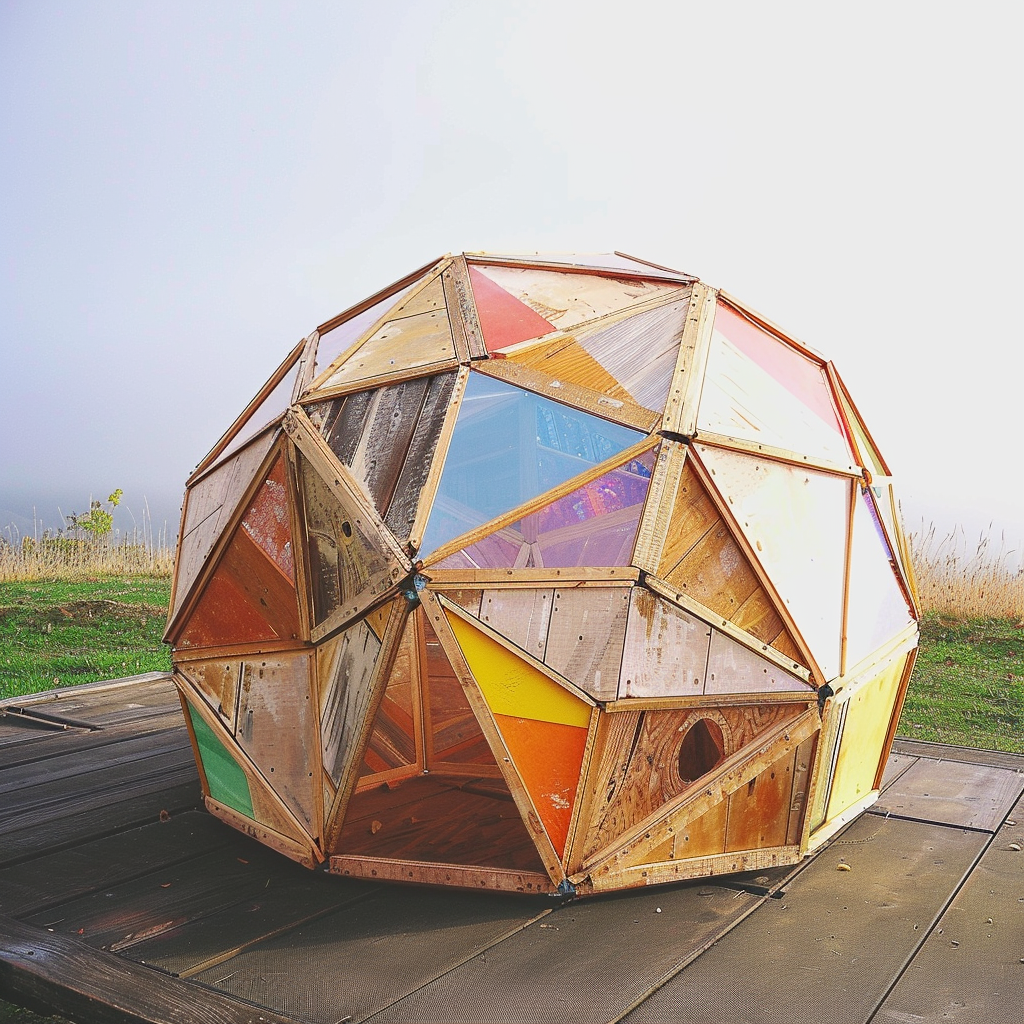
(802,377)
(504,320)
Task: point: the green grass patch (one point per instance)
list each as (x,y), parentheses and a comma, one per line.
(968,686)
(61,633)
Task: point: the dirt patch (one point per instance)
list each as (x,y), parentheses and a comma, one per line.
(84,613)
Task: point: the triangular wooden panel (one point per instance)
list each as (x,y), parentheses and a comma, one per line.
(387,436)
(351,565)
(640,351)
(548,758)
(209,505)
(795,519)
(702,559)
(504,319)
(345,670)
(277,730)
(267,520)
(645,759)
(421,338)
(335,342)
(594,525)
(247,599)
(217,680)
(565,299)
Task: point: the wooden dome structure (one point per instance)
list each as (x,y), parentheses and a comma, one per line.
(543,573)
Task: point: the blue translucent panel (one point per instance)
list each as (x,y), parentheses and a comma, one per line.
(509,446)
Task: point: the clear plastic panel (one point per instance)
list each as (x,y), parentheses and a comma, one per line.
(509,446)
(795,520)
(595,525)
(640,352)
(758,388)
(877,610)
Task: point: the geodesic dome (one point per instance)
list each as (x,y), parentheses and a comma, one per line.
(543,573)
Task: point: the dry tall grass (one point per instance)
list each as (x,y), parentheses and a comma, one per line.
(953,580)
(61,556)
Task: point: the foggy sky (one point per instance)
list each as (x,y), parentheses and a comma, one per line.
(188,189)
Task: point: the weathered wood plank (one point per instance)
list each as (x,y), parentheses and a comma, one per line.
(42,968)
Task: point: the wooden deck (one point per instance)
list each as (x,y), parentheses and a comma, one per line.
(122,900)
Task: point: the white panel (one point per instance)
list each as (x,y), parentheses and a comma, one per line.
(741,399)
(795,520)
(877,610)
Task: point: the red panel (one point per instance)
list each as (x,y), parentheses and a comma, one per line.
(548,758)
(801,376)
(247,599)
(267,523)
(504,320)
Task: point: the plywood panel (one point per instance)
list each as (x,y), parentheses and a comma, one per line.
(422,339)
(565,359)
(759,811)
(209,505)
(218,682)
(247,599)
(346,666)
(666,649)
(586,637)
(351,566)
(277,729)
(522,616)
(733,668)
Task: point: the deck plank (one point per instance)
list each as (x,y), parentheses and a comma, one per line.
(971,968)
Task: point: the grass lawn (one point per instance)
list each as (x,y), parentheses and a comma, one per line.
(61,633)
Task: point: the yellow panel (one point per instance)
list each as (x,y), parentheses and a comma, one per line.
(868,714)
(511,686)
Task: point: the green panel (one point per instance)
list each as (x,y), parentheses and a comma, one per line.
(228,784)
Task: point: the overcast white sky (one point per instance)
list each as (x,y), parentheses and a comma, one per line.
(187,189)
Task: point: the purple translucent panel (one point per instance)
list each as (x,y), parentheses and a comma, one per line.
(510,446)
(595,525)
(333,343)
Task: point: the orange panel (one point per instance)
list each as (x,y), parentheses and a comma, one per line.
(247,599)
(548,758)
(266,520)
